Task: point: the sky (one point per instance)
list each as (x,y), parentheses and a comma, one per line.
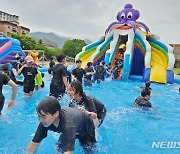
(88,19)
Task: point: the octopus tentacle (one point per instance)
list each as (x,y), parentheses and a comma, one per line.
(133,24)
(115,26)
(112,24)
(143,25)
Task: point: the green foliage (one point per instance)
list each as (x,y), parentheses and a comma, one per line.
(176,70)
(70,59)
(72,47)
(53,52)
(40,41)
(28,43)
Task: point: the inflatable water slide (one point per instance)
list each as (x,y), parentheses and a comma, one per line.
(145,55)
(9,50)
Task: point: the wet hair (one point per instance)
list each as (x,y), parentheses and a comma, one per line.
(78,87)
(78,61)
(147,84)
(121,50)
(18,58)
(52,58)
(60,57)
(22,60)
(89,64)
(48,105)
(145,92)
(102,62)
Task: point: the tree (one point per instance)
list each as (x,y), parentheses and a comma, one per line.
(53,52)
(27,43)
(72,47)
(40,41)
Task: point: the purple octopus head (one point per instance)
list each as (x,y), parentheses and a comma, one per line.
(128,13)
(128,16)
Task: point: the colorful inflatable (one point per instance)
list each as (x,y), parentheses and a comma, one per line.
(144,56)
(34,55)
(9,49)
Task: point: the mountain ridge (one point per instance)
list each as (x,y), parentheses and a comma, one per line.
(59,40)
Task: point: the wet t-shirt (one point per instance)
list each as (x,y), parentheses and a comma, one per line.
(4,79)
(99,106)
(141,102)
(29,74)
(72,122)
(90,103)
(59,71)
(88,69)
(78,73)
(12,76)
(100,71)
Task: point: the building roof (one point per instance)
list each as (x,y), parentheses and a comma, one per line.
(175,45)
(9,14)
(25,28)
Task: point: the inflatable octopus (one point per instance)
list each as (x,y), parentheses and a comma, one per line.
(127,19)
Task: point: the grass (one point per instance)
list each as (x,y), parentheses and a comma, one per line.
(176,70)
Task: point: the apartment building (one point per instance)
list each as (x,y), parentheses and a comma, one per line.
(8,17)
(9,24)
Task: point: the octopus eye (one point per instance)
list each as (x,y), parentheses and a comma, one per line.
(129,15)
(122,15)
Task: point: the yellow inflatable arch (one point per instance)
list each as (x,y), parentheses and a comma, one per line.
(34,55)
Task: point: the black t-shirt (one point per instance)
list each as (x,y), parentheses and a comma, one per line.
(4,79)
(5,67)
(16,65)
(12,76)
(141,102)
(29,74)
(59,71)
(100,71)
(90,103)
(51,64)
(88,69)
(78,73)
(72,122)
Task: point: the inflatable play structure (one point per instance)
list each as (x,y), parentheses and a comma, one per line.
(145,55)
(34,55)
(9,49)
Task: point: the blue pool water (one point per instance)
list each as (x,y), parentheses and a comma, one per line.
(125,129)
